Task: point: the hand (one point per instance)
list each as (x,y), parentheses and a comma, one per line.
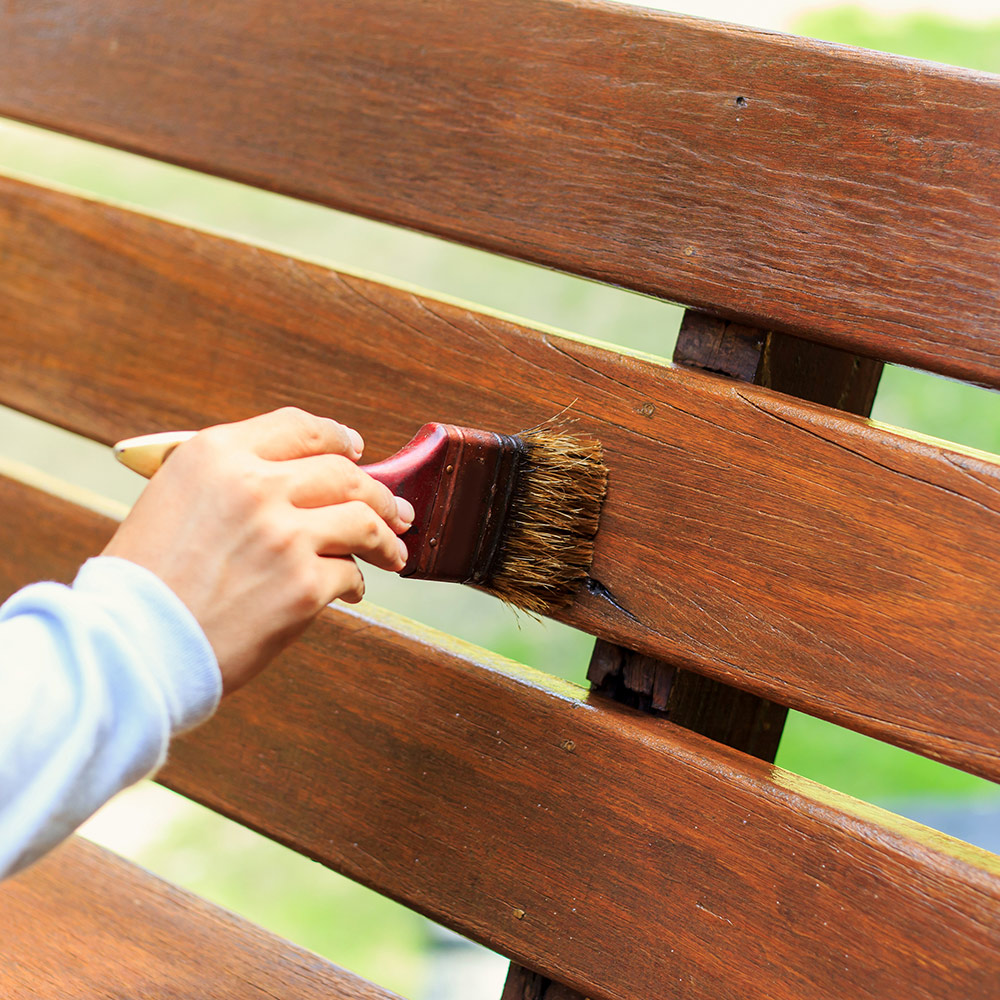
(254,525)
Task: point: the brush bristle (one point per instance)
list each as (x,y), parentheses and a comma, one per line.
(548,543)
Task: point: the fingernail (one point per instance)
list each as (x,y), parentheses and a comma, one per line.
(405,510)
(357,440)
(403,554)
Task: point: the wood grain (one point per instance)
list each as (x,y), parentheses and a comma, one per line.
(845,195)
(817,560)
(721,712)
(521,812)
(815,372)
(506,805)
(796,367)
(84,923)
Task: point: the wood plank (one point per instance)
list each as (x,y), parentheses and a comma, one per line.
(817,560)
(510,807)
(794,185)
(721,712)
(799,368)
(545,823)
(815,372)
(84,923)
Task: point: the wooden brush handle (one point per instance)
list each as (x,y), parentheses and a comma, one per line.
(409,473)
(146,453)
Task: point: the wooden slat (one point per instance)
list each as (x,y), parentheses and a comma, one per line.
(511,807)
(84,923)
(817,560)
(848,195)
(719,711)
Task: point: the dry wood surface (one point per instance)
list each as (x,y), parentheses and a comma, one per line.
(818,560)
(83,923)
(847,195)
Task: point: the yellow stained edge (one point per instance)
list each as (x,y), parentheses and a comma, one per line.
(329,264)
(30,476)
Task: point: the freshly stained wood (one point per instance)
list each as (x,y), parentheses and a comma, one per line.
(815,372)
(796,185)
(820,561)
(42,537)
(509,806)
(84,923)
(502,803)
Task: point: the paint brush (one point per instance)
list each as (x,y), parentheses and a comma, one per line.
(515,515)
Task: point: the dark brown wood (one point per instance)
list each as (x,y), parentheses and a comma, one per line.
(719,346)
(810,558)
(809,371)
(800,368)
(813,559)
(499,802)
(545,823)
(723,713)
(84,923)
(523,984)
(790,184)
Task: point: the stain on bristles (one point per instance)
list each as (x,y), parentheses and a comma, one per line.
(548,542)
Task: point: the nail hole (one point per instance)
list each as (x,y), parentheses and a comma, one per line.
(741,102)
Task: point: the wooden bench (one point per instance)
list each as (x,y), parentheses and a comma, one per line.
(820,210)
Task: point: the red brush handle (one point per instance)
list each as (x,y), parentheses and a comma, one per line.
(459,481)
(422,472)
(414,472)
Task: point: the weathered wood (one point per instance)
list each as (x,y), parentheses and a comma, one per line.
(716,710)
(800,368)
(719,346)
(502,803)
(723,713)
(813,559)
(84,923)
(791,184)
(523,984)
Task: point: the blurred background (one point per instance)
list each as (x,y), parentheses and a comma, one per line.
(294,897)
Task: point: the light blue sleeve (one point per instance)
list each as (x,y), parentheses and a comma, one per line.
(94,680)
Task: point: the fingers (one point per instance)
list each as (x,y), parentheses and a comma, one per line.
(322,480)
(354,528)
(291,433)
(343,579)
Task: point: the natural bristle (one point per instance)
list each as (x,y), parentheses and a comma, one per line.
(548,541)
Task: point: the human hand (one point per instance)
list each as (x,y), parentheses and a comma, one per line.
(254,525)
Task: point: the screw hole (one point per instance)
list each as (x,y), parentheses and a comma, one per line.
(741,102)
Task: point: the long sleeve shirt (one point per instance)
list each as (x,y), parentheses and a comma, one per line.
(94,681)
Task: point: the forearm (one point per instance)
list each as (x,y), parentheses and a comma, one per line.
(94,680)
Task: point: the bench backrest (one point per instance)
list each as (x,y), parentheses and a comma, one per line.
(830,209)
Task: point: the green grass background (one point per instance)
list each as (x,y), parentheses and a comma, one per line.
(264,881)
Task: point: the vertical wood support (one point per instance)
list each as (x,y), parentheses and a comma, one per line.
(726,714)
